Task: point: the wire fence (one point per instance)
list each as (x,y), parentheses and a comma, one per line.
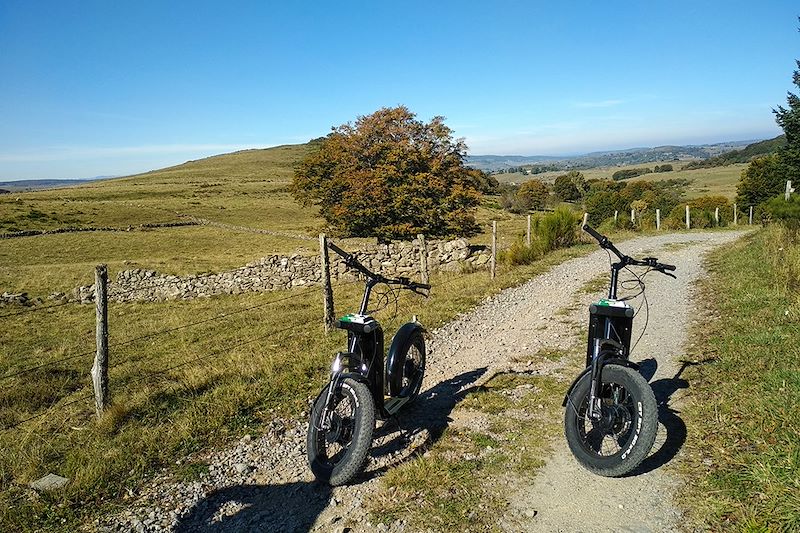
(152,374)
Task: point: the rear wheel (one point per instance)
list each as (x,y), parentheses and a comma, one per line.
(619,440)
(413,367)
(337,448)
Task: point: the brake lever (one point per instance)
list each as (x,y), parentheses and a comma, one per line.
(668,274)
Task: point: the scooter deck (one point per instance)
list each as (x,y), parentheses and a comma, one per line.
(392,405)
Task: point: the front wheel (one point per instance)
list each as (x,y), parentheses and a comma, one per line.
(619,440)
(337,448)
(413,367)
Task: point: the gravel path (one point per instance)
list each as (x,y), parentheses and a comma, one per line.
(263,483)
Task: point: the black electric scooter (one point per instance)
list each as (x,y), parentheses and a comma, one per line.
(611,417)
(361,388)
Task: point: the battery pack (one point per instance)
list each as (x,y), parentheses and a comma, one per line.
(609,319)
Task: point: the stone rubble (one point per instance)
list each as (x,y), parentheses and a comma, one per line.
(277,272)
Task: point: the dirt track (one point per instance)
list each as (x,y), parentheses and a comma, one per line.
(263,484)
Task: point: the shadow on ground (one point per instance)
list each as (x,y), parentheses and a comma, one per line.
(285,507)
(296,506)
(415,429)
(664,389)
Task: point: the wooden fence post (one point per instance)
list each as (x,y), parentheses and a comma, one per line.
(327,288)
(688,225)
(616,214)
(528,233)
(633,216)
(751,215)
(493,264)
(658,219)
(716,216)
(423,259)
(102,396)
(735,215)
(789,190)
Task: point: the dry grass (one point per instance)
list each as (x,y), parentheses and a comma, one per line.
(236,373)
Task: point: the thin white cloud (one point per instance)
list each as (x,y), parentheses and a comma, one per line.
(598,104)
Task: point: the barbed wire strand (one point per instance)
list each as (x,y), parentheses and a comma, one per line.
(210,354)
(47,411)
(48,363)
(213,318)
(179,365)
(126,342)
(35,309)
(155,373)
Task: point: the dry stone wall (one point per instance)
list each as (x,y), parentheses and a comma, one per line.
(281,272)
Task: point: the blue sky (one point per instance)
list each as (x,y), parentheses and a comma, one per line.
(109,88)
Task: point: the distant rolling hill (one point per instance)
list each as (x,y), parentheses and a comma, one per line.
(36,185)
(629,156)
(741,156)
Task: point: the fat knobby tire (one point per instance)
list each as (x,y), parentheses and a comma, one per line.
(418,342)
(351,462)
(644,423)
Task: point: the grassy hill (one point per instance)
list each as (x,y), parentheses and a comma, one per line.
(744,155)
(247,188)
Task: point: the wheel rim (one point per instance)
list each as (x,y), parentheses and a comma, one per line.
(608,435)
(413,367)
(334,441)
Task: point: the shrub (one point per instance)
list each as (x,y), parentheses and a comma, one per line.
(779,209)
(558,229)
(520,253)
(763,178)
(570,187)
(609,225)
(705,206)
(701,213)
(630,173)
(606,196)
(601,204)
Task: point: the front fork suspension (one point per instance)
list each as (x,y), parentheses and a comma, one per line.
(336,372)
(594,409)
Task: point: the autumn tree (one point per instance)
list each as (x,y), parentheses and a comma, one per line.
(391,176)
(571,186)
(533,194)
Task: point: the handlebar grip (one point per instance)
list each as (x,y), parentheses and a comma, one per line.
(667,267)
(588,229)
(420,285)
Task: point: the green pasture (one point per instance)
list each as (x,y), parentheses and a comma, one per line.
(720,181)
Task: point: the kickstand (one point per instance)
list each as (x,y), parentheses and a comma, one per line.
(404,433)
